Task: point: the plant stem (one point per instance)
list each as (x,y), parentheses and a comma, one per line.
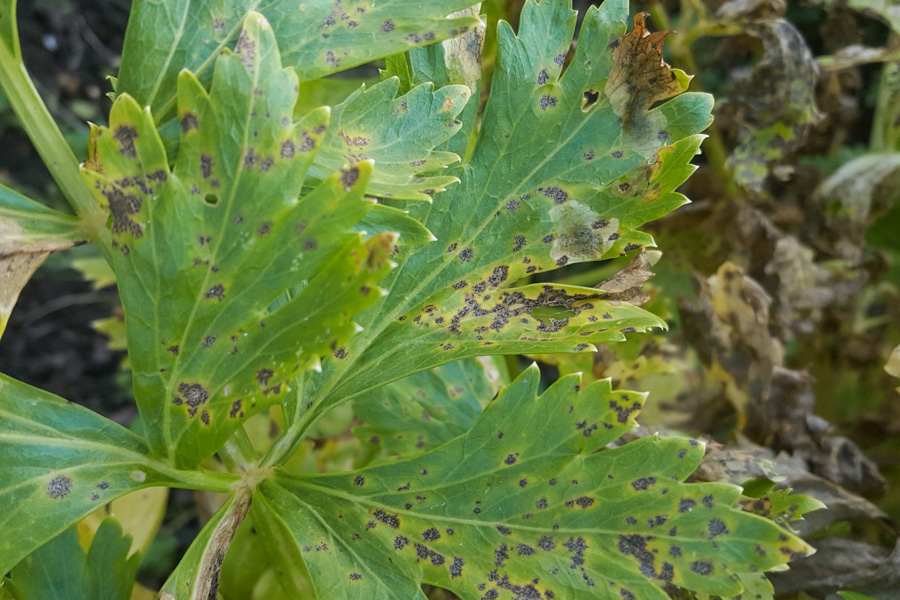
(48,139)
(238,453)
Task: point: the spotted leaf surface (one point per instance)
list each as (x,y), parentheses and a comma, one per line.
(398,133)
(427,409)
(316,37)
(526,505)
(203,250)
(553,180)
(61,462)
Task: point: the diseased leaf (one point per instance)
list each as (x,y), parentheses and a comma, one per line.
(29,232)
(201,250)
(398,133)
(61,569)
(316,37)
(524,505)
(61,462)
(552,181)
(425,410)
(197,575)
(775,106)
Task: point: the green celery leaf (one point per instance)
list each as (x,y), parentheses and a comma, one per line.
(61,569)
(551,182)
(316,37)
(398,134)
(425,410)
(381,219)
(529,504)
(203,249)
(61,462)
(29,232)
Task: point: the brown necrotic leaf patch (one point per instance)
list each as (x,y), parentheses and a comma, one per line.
(640,77)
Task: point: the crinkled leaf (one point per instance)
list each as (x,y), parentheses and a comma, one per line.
(551,182)
(316,37)
(61,462)
(525,505)
(29,232)
(775,106)
(423,411)
(197,575)
(61,569)
(203,249)
(398,133)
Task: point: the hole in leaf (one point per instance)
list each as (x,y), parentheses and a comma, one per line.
(211,199)
(590,99)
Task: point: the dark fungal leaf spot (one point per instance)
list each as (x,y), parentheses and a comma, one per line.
(498,276)
(716,527)
(525,550)
(588,156)
(707,501)
(355,576)
(546,543)
(59,487)
(95,496)
(341,353)
(543,77)
(559,59)
(125,136)
(556,194)
(263,376)
(643,483)
(264,228)
(235,409)
(173,349)
(209,340)
(682,453)
(266,164)
(582,502)
(359,480)
(387,27)
(541,503)
(547,102)
(503,530)
(216,292)
(465,255)
(617,154)
(206,163)
(349,177)
(547,239)
(455,568)
(511,459)
(204,417)
(189,122)
(701,567)
(431,534)
(562,260)
(523,483)
(392,521)
(500,555)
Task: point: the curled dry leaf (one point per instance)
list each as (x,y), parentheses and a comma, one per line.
(627,284)
(641,78)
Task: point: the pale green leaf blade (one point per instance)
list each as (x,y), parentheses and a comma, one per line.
(524,503)
(29,232)
(423,411)
(398,133)
(385,219)
(552,181)
(204,249)
(61,570)
(197,575)
(61,462)
(316,37)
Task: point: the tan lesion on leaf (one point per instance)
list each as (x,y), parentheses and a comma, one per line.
(640,77)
